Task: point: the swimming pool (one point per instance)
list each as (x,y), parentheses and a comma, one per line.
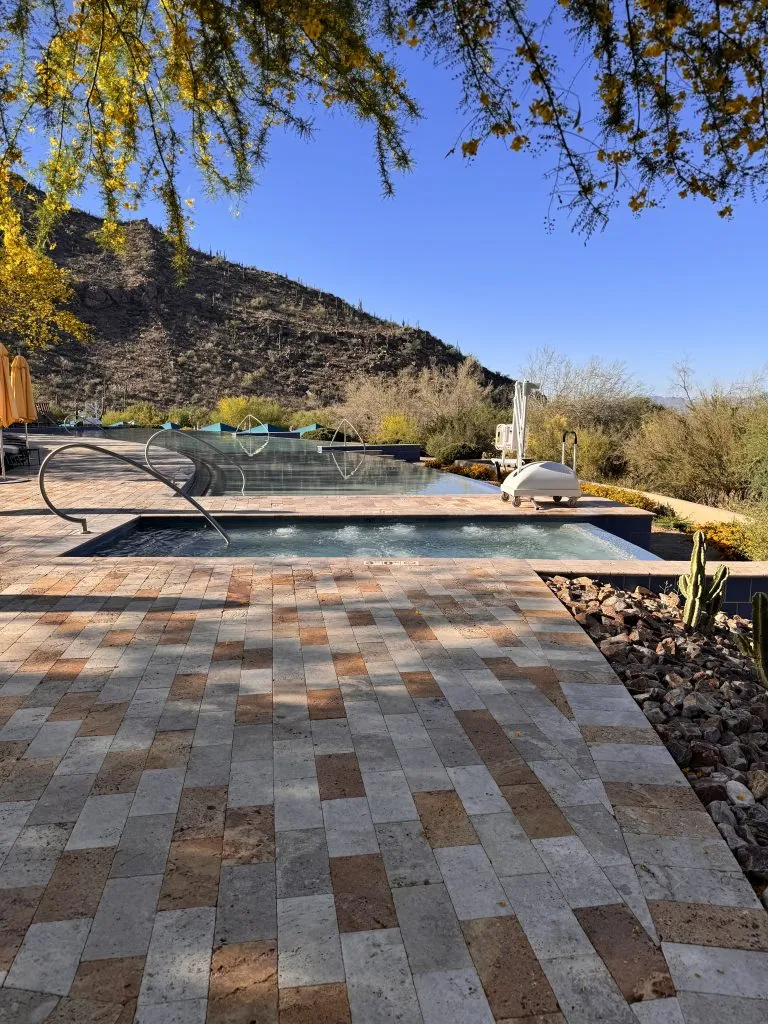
(230,464)
(369,537)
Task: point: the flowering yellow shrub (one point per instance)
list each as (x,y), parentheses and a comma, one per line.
(731,538)
(625,497)
(477,471)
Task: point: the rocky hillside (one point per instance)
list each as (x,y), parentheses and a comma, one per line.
(228,329)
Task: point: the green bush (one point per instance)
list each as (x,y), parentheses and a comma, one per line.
(478,471)
(625,497)
(233,409)
(321,434)
(189,415)
(142,414)
(397,428)
(448,452)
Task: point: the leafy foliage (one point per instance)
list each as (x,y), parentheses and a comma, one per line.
(34,291)
(710,451)
(234,408)
(625,497)
(142,414)
(446,453)
(189,415)
(397,428)
(731,538)
(630,100)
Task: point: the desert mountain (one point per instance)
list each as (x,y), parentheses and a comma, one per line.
(227,329)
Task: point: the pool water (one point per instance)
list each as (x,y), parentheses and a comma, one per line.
(272,537)
(229,464)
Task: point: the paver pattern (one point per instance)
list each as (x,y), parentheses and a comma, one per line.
(330,791)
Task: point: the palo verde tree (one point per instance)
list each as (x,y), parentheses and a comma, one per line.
(622,100)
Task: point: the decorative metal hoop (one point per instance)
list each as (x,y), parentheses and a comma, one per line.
(251,422)
(344,472)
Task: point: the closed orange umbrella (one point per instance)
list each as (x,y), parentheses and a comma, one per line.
(21,386)
(7,404)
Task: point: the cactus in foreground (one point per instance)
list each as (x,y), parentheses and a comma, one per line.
(755,647)
(703,600)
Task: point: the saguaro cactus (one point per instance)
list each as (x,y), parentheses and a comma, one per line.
(756,646)
(703,600)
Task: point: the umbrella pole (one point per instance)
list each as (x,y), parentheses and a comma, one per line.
(2,454)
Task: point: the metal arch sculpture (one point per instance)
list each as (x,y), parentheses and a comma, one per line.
(343,471)
(82,521)
(197,440)
(252,448)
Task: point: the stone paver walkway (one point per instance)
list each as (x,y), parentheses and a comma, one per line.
(242,793)
(338,792)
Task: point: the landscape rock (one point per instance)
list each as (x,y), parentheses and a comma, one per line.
(728,832)
(739,794)
(758,783)
(721,813)
(733,755)
(709,790)
(700,693)
(754,860)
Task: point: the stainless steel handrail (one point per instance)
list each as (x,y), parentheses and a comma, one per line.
(83,522)
(199,440)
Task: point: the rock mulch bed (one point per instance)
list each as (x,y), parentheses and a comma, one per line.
(701,695)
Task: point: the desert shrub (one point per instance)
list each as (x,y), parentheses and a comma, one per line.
(562,378)
(397,428)
(304,417)
(189,415)
(754,450)
(754,539)
(143,414)
(427,398)
(478,471)
(626,497)
(603,427)
(321,434)
(698,453)
(595,450)
(234,408)
(472,431)
(673,521)
(446,452)
(731,538)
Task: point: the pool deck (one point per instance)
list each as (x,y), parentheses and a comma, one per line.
(259,791)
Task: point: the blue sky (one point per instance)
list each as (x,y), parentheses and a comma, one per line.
(462,251)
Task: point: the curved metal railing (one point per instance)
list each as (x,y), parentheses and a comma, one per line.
(82,521)
(198,440)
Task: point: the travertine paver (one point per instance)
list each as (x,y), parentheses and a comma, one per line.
(330,790)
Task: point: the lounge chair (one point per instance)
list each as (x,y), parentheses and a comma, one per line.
(18,450)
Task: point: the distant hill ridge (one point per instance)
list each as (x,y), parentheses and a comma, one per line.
(228,329)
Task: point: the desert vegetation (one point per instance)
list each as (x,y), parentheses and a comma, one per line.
(710,447)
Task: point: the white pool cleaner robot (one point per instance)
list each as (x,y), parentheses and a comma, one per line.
(533,480)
